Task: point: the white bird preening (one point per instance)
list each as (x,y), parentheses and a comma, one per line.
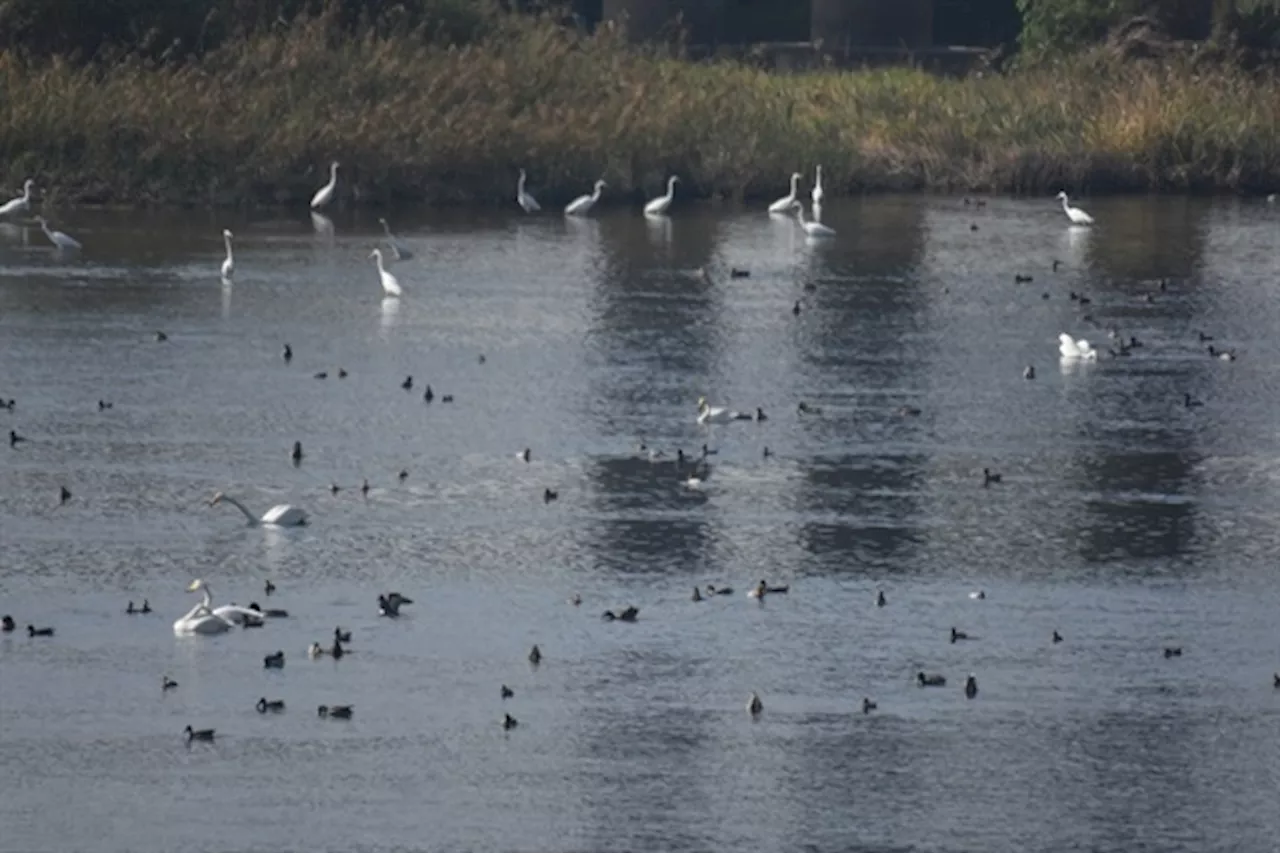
(398,251)
(1072,350)
(281,515)
(783,205)
(817,195)
(21,204)
(324,195)
(57,238)
(228,265)
(662,203)
(203,619)
(1075,214)
(390,284)
(582,205)
(527,202)
(813,229)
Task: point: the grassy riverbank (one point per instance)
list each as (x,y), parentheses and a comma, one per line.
(257,122)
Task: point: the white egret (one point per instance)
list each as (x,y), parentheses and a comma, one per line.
(390,284)
(60,240)
(204,619)
(398,251)
(229,265)
(21,204)
(281,515)
(813,229)
(662,203)
(783,204)
(325,194)
(817,193)
(1072,350)
(582,205)
(1075,214)
(526,201)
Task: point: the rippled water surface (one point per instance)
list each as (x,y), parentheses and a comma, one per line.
(1125,521)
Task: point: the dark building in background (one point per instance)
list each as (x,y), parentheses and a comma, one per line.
(833,25)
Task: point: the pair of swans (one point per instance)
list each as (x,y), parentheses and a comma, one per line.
(784,204)
(204,618)
(1073,350)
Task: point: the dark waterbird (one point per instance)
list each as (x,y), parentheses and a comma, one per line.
(275,706)
(198,734)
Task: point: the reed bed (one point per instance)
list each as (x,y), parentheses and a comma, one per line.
(257,122)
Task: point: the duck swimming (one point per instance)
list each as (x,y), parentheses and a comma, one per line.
(274,707)
(167,683)
(275,661)
(336,712)
(971,686)
(33,631)
(930,680)
(198,734)
(697,596)
(880,599)
(628,615)
(754,705)
(341,636)
(272,613)
(535,656)
(507,692)
(958,635)
(724,590)
(868,706)
(509,722)
(7,624)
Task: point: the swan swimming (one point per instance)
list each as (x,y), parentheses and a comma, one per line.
(662,203)
(783,204)
(1075,214)
(811,228)
(21,204)
(582,205)
(527,202)
(229,265)
(390,284)
(324,195)
(204,619)
(281,515)
(707,414)
(1071,350)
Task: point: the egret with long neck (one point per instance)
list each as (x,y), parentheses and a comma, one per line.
(229,265)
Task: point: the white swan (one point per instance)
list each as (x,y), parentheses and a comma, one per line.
(21,204)
(324,195)
(717,415)
(582,205)
(229,265)
(203,619)
(398,250)
(813,229)
(526,201)
(390,284)
(1075,214)
(783,204)
(281,515)
(662,203)
(1071,349)
(817,193)
(57,238)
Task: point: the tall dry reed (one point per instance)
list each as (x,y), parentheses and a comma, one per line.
(258,121)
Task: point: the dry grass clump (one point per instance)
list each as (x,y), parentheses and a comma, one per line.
(258,121)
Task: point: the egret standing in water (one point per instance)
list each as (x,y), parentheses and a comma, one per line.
(582,205)
(527,202)
(390,285)
(21,204)
(229,265)
(60,240)
(783,205)
(1075,214)
(325,194)
(662,204)
(817,193)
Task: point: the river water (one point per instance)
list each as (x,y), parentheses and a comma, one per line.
(1125,521)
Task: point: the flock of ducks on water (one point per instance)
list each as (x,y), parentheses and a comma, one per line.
(205,619)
